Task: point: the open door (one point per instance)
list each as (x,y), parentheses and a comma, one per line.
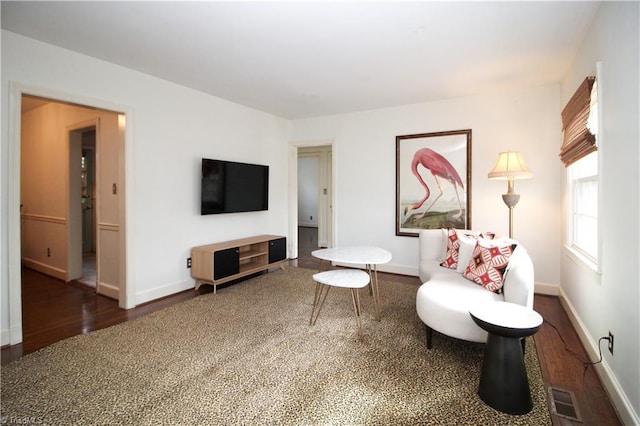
(99,205)
(110,205)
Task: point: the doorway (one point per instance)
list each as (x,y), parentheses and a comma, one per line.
(24,97)
(314,196)
(308,201)
(73,216)
(87,139)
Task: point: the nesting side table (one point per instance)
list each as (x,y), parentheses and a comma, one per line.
(345,278)
(503,382)
(359,255)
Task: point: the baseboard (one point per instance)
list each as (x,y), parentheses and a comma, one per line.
(546,289)
(58,273)
(308,224)
(164,291)
(109,290)
(391,268)
(616,394)
(386,267)
(412,271)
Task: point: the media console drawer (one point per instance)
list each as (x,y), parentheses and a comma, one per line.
(229,260)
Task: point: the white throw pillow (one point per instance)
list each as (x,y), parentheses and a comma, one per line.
(465,252)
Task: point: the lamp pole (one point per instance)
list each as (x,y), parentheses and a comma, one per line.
(510,199)
(510,166)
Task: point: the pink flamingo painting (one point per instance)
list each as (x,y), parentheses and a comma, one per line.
(440,168)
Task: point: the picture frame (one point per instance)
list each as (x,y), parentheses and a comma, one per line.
(433,181)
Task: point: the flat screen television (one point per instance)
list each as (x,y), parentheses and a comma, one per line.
(231,187)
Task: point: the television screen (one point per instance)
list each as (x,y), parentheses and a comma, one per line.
(230,187)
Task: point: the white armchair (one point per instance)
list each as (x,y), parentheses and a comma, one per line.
(444,298)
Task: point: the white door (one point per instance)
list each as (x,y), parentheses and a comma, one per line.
(109,205)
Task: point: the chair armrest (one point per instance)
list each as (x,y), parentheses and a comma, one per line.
(519,279)
(433,243)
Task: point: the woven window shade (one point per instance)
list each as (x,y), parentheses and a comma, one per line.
(578,140)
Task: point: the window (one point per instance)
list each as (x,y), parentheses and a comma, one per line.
(583,206)
(582,180)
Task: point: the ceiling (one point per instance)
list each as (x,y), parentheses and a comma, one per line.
(304,59)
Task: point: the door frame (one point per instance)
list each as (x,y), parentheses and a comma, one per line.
(293,192)
(13,255)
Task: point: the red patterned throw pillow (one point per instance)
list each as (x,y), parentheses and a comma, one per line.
(453,247)
(455,240)
(488,264)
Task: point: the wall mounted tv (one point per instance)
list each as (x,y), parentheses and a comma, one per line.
(231,187)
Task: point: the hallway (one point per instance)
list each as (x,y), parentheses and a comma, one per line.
(89,275)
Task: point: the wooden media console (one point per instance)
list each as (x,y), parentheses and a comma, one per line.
(226,261)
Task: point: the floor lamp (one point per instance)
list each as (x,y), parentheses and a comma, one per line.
(510,166)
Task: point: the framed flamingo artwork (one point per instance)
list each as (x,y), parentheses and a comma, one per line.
(433,181)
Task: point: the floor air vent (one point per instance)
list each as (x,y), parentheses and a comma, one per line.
(563,404)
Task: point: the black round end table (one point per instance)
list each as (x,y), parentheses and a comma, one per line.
(503,382)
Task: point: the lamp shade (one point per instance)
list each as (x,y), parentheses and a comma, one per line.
(510,165)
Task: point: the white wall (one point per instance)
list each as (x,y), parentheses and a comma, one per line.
(610,301)
(170,128)
(365,177)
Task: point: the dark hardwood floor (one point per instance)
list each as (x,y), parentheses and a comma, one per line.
(53,310)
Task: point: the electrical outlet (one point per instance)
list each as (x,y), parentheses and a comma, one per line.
(611,342)
(188,262)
